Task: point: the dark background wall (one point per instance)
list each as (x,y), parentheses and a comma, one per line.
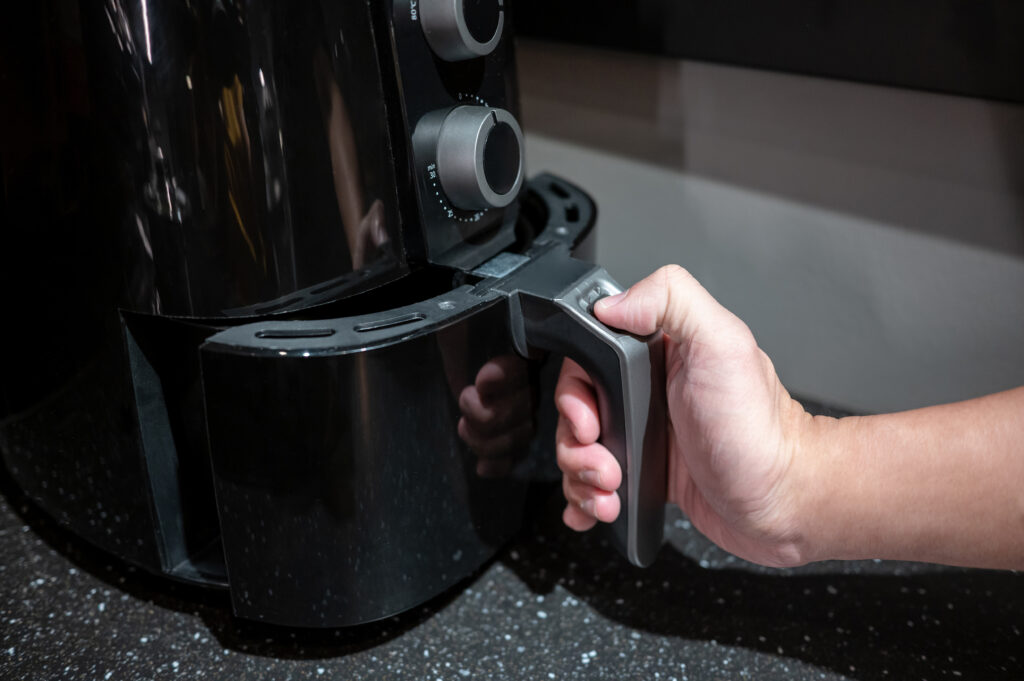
(966,47)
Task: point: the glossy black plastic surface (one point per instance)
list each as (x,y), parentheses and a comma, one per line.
(107,431)
(346,491)
(432,87)
(364,464)
(246,152)
(171,169)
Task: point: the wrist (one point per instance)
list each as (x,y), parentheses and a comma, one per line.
(822,486)
(790,528)
(813,443)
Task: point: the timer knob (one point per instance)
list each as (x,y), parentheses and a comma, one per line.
(462,29)
(480,157)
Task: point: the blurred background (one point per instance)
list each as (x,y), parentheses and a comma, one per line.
(849,180)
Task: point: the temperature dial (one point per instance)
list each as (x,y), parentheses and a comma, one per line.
(480,157)
(462,29)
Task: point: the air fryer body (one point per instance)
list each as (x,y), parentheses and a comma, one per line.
(172,171)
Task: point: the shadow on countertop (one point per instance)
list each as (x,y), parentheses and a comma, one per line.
(863,620)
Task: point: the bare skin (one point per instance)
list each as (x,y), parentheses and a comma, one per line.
(770,483)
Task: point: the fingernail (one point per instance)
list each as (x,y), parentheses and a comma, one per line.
(590,478)
(587,506)
(610,301)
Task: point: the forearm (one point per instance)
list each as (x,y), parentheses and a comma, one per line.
(943,484)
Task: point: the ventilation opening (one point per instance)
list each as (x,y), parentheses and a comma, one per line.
(558,190)
(572,213)
(295,333)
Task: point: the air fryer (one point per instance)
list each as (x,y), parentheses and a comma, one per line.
(256,253)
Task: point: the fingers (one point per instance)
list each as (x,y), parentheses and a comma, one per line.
(504,443)
(576,519)
(574,398)
(590,476)
(493,415)
(592,464)
(497,415)
(502,376)
(670,300)
(595,503)
(496,455)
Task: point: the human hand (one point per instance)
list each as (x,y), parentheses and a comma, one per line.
(497,415)
(733,429)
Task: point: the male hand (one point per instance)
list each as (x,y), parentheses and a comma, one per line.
(733,429)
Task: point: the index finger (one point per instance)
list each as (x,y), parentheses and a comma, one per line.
(575,400)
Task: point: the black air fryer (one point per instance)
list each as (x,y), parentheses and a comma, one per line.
(262,263)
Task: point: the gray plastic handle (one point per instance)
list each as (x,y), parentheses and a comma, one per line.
(629,377)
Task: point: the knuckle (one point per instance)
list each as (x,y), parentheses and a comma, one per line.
(673,275)
(740,343)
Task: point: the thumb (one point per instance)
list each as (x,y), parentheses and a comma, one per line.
(670,300)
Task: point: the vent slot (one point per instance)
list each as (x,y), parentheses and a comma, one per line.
(572,213)
(294,333)
(558,190)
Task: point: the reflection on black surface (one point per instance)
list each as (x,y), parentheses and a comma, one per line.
(242,163)
(497,414)
(364,229)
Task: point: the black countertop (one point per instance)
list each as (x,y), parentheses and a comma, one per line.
(552,605)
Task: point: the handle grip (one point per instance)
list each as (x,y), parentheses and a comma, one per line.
(629,378)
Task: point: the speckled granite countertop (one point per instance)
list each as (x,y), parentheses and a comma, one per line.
(553,605)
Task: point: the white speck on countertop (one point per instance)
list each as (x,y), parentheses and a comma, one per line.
(541,614)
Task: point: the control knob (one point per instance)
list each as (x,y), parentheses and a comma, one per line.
(462,29)
(480,157)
